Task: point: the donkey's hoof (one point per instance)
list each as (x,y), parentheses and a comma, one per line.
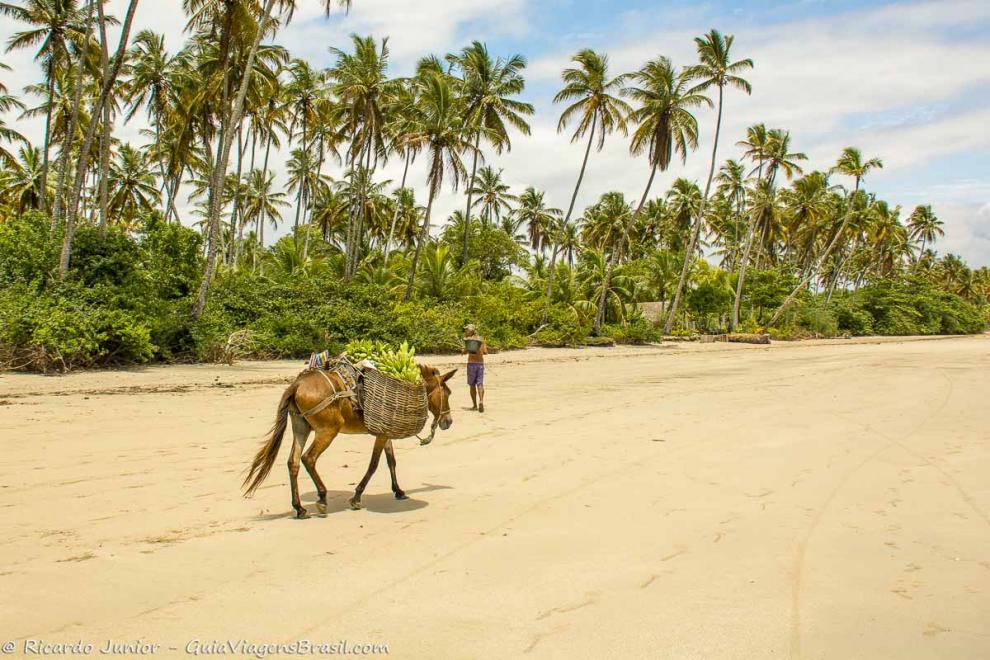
(322,508)
(302,514)
(400,495)
(355,503)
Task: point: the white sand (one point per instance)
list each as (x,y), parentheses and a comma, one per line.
(822,499)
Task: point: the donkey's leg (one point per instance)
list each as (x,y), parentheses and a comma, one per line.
(324,437)
(300,432)
(390,458)
(376,454)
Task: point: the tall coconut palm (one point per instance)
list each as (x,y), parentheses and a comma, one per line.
(207,12)
(683,203)
(21,185)
(403,101)
(665,126)
(603,222)
(716,69)
(8,102)
(488,87)
(494,197)
(132,186)
(149,82)
(850,163)
(595,105)
(539,219)
(437,130)
(361,83)
(770,149)
(261,202)
(100,113)
(924,224)
(55,26)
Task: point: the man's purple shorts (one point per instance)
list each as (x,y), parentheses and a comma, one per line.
(476,373)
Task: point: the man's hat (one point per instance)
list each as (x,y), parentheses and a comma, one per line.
(470,327)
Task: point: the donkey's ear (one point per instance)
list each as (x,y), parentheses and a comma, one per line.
(444,378)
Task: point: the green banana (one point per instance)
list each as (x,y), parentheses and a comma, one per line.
(395,363)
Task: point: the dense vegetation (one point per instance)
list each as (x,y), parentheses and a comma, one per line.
(99,266)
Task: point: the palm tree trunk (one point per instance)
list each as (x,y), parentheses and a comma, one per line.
(235,214)
(43,202)
(570,209)
(109,78)
(614,258)
(358,239)
(264,180)
(63,166)
(231,116)
(470,191)
(689,255)
(395,214)
(424,236)
(745,262)
(828,250)
(104,168)
(921,253)
(351,218)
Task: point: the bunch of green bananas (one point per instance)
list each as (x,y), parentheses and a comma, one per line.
(362,349)
(397,363)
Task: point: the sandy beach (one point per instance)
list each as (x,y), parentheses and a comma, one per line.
(825,499)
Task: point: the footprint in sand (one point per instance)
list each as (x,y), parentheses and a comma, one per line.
(933,629)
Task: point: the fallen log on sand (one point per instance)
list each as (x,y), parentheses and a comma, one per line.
(737,338)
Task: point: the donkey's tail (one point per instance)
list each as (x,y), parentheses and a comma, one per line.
(265,458)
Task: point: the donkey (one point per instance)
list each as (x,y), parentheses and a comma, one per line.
(307,392)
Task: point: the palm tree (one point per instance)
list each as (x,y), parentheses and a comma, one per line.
(596,106)
(539,219)
(21,184)
(132,185)
(261,202)
(101,111)
(488,86)
(665,125)
(361,84)
(493,194)
(924,224)
(603,222)
(149,84)
(850,163)
(437,129)
(770,149)
(55,26)
(213,13)
(716,69)
(330,214)
(618,289)
(8,102)
(683,203)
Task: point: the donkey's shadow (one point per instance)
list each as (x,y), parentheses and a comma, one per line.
(339,501)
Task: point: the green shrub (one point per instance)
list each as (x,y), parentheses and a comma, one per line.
(818,320)
(636,330)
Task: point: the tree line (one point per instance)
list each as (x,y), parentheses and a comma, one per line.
(218,108)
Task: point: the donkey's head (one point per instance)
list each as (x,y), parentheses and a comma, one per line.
(438,394)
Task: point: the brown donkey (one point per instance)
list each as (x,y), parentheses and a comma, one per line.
(310,389)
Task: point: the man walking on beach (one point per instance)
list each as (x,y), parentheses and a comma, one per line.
(475,366)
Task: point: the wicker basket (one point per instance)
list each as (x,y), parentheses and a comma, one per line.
(393,408)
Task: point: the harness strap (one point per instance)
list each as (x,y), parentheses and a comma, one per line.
(334,396)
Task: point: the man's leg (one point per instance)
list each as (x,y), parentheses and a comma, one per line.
(481,398)
(474,397)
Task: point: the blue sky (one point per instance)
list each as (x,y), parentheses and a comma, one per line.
(908,81)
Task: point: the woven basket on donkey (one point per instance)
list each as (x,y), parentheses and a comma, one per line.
(393,408)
